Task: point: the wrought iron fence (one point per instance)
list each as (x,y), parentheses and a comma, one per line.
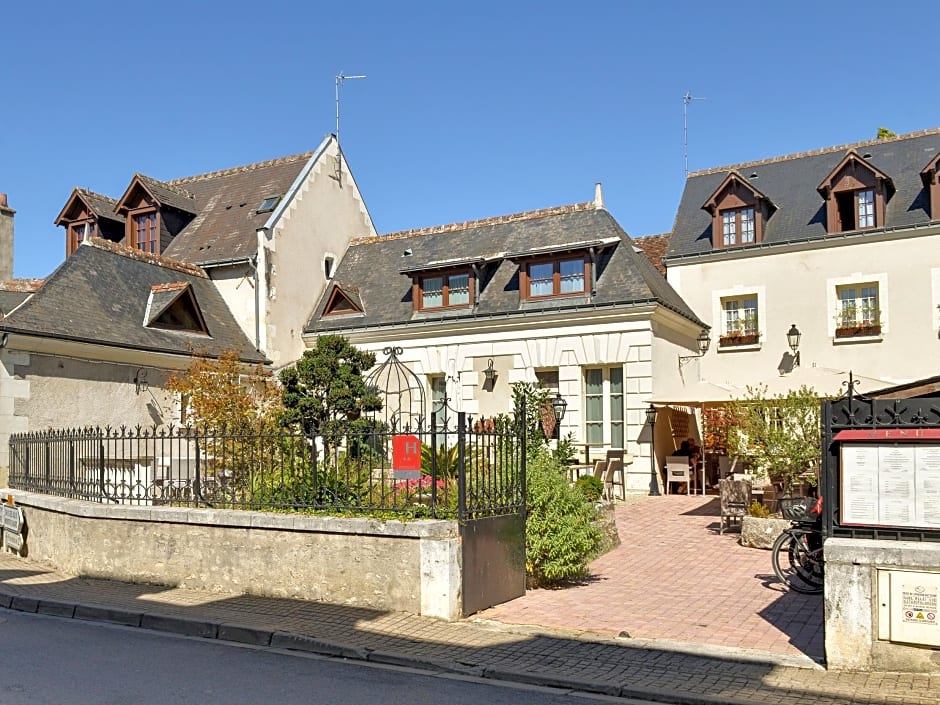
(470,470)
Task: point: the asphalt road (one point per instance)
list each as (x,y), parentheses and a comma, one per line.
(46,660)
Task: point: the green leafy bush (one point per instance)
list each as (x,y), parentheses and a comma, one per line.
(590,487)
(561,537)
(758,510)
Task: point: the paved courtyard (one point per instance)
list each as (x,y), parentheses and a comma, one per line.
(675,577)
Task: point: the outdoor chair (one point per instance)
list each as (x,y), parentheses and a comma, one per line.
(729,466)
(678,470)
(613,477)
(600,467)
(735,498)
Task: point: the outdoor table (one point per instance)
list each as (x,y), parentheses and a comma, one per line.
(577,469)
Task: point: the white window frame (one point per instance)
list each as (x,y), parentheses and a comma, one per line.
(835,284)
(719,296)
(740,319)
(608,399)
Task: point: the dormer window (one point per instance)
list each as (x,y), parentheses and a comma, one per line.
(555,277)
(451,290)
(78,233)
(738,212)
(737,227)
(931,178)
(144,232)
(855,193)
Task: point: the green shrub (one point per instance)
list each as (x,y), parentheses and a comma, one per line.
(561,537)
(590,487)
(758,510)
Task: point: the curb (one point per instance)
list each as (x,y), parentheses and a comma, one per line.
(299,642)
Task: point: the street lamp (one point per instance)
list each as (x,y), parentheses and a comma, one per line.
(793,340)
(558,407)
(651,413)
(703,341)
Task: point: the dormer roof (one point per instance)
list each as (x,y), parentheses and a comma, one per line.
(83,200)
(853,157)
(734,179)
(157,192)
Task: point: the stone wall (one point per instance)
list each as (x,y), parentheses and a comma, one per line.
(857,615)
(405,566)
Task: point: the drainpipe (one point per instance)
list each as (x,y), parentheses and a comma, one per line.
(476,283)
(593,253)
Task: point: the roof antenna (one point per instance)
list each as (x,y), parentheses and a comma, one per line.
(340,77)
(686,99)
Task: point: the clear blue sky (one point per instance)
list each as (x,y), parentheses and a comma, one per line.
(489,108)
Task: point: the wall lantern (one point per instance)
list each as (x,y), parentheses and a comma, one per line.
(703,340)
(558,407)
(140,381)
(793,340)
(489,374)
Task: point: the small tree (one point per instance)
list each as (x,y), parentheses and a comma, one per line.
(885,133)
(325,392)
(781,436)
(221,392)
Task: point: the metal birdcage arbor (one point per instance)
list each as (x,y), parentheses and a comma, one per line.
(402,394)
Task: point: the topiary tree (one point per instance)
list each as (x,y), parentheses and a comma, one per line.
(325,392)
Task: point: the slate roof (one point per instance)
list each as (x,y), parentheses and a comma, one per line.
(377,268)
(226,203)
(15,292)
(790,183)
(99,295)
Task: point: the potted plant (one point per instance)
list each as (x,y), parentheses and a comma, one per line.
(849,324)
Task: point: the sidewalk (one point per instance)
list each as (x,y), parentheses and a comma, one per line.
(640,668)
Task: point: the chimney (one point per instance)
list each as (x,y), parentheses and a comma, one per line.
(6,239)
(598,196)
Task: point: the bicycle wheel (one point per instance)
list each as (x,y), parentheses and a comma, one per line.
(796,563)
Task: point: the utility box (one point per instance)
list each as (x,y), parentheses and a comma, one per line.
(909,607)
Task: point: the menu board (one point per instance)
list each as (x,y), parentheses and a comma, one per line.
(892,485)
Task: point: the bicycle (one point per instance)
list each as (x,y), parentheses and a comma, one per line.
(797,554)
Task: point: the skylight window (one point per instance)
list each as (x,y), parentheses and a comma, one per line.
(268,204)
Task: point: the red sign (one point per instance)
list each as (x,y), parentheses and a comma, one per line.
(406,453)
(888,434)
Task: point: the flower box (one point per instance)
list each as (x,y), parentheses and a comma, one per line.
(733,339)
(858,330)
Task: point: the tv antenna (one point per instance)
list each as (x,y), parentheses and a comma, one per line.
(686,99)
(340,78)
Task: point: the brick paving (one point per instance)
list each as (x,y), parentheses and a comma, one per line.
(577,651)
(675,577)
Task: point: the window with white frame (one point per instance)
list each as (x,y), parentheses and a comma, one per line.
(603,406)
(857,306)
(739,315)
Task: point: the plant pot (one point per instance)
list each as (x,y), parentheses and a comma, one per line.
(858,331)
(730,341)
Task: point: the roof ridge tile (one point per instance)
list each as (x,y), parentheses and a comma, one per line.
(146,257)
(240,169)
(21,285)
(483,222)
(815,152)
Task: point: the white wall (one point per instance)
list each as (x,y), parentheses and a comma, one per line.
(320,220)
(462,353)
(797,286)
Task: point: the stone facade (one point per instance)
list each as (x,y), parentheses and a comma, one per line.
(402,566)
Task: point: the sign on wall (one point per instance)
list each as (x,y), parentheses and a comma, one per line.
(406,457)
(891,485)
(12,521)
